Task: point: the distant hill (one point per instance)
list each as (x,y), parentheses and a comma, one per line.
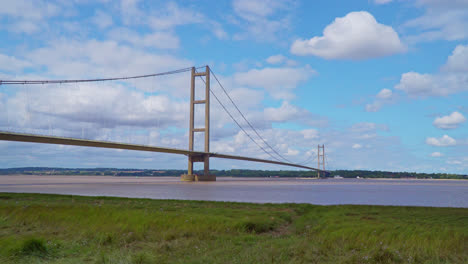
(227,173)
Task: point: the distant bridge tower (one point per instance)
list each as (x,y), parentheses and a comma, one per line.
(320,159)
(205,158)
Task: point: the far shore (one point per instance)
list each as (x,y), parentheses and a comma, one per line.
(229,177)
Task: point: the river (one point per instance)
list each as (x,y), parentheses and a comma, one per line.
(407,192)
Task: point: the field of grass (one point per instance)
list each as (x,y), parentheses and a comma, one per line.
(40,228)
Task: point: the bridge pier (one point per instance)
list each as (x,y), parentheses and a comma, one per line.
(205,158)
(190,176)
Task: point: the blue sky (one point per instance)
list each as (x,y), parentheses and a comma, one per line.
(383,84)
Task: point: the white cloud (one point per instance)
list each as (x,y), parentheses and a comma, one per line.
(256,8)
(355,36)
(382,2)
(436,154)
(357,146)
(384,94)
(276,59)
(280,59)
(450,121)
(444,141)
(442,19)
(168,17)
(106,58)
(31,10)
(260,19)
(102,19)
(458,61)
(461,162)
(454,162)
(102,104)
(417,84)
(160,40)
(452,79)
(172,15)
(292,152)
(374,106)
(363,127)
(310,133)
(130,12)
(10,63)
(27,16)
(279,82)
(423,85)
(286,112)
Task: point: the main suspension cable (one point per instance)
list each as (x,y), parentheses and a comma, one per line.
(235,121)
(5,82)
(247,121)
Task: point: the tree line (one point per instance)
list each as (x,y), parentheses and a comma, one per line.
(228,173)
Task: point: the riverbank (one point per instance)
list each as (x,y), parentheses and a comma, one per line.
(76,229)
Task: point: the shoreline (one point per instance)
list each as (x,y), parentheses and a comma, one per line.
(229,177)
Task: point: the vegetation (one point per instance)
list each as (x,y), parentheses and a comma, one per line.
(36,228)
(229,173)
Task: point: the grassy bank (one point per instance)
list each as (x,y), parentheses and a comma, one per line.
(37,228)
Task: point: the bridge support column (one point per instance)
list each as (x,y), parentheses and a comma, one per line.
(190,176)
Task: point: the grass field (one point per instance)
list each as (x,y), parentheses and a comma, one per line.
(37,228)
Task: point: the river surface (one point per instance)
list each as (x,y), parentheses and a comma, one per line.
(438,193)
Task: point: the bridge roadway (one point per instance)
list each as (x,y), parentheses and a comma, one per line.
(9,136)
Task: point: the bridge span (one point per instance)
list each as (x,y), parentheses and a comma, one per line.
(9,136)
(193,156)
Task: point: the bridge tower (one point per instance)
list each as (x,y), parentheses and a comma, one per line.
(320,159)
(205,158)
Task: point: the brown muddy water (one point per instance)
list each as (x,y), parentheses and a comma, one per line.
(438,193)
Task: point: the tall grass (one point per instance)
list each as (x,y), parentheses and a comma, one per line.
(40,228)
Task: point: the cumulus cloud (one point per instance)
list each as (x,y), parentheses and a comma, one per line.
(105,105)
(276,59)
(355,36)
(451,79)
(450,121)
(458,60)
(280,59)
(436,154)
(385,96)
(288,112)
(357,146)
(444,141)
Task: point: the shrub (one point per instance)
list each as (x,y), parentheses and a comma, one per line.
(33,247)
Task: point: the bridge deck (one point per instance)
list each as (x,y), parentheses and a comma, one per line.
(9,136)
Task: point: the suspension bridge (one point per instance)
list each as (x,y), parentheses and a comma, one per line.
(193,155)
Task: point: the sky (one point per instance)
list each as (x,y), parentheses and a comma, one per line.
(383,84)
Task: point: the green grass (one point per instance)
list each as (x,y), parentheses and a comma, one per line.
(40,228)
